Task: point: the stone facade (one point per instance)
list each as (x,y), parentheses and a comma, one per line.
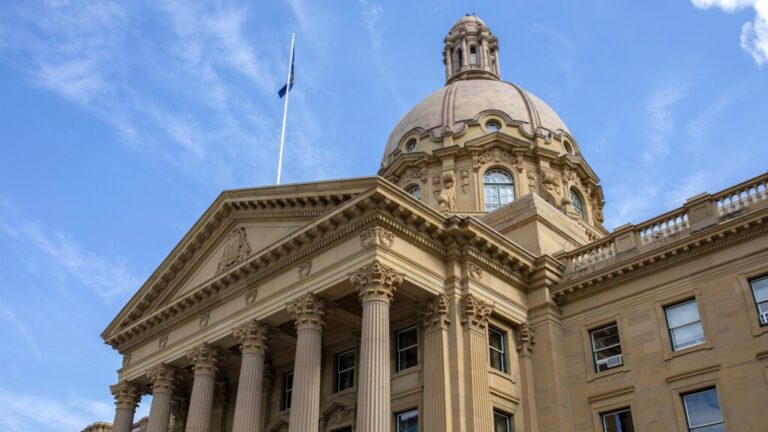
(469,306)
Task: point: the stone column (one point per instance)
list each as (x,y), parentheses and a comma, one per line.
(525,342)
(475,321)
(308,313)
(252,337)
(376,285)
(437,394)
(162,378)
(205,361)
(127,396)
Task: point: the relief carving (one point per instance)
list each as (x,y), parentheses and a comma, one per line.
(475,270)
(447,197)
(497,155)
(410,174)
(526,339)
(464,181)
(204,318)
(305,268)
(377,236)
(435,312)
(250,295)
(476,312)
(163,341)
(236,250)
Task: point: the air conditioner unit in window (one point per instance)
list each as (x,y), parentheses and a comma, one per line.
(609,362)
(764,318)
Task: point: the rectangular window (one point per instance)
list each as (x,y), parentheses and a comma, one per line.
(606,348)
(684,325)
(502,422)
(345,371)
(408,421)
(407,348)
(702,411)
(617,421)
(497,346)
(760,293)
(285,401)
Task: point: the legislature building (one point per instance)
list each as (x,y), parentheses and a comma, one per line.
(469,287)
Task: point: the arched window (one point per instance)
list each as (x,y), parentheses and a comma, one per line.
(415,191)
(460,56)
(410,146)
(492,126)
(473,55)
(568,147)
(577,204)
(499,189)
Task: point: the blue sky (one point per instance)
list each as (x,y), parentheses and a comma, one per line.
(120,122)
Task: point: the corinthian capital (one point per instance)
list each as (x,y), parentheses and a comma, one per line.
(162,378)
(434,314)
(205,358)
(376,282)
(252,337)
(126,393)
(476,312)
(308,310)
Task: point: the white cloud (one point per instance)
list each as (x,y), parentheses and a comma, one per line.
(710,115)
(25,412)
(661,121)
(372,14)
(754,34)
(7,315)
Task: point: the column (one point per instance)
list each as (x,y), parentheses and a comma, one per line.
(525,342)
(205,362)
(308,313)
(252,337)
(376,285)
(475,321)
(162,378)
(127,396)
(437,394)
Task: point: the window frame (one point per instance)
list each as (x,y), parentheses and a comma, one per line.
(497,186)
(337,373)
(407,411)
(398,349)
(414,187)
(614,412)
(473,56)
(687,418)
(670,330)
(762,316)
(508,417)
(287,393)
(504,351)
(595,361)
(581,210)
(497,124)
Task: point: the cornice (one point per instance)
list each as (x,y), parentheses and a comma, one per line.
(704,242)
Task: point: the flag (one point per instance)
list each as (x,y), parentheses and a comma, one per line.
(288,86)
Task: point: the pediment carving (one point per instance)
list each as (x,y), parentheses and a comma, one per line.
(338,414)
(236,250)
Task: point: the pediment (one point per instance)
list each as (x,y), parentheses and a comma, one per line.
(280,424)
(338,413)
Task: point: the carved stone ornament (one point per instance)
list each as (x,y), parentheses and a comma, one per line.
(162,378)
(250,295)
(531,181)
(126,359)
(236,250)
(341,417)
(476,312)
(475,270)
(411,173)
(162,341)
(447,197)
(496,156)
(526,339)
(376,282)
(464,181)
(252,337)
(204,318)
(308,310)
(205,358)
(305,268)
(377,236)
(127,394)
(434,314)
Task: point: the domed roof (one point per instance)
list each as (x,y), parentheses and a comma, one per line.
(451,107)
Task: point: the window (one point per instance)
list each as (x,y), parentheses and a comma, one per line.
(702,411)
(408,421)
(410,146)
(576,203)
(415,191)
(460,55)
(473,55)
(502,422)
(684,325)
(568,147)
(492,126)
(617,421)
(285,401)
(407,349)
(345,371)
(760,293)
(497,347)
(606,348)
(499,189)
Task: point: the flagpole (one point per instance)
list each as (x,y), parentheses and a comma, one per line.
(285,109)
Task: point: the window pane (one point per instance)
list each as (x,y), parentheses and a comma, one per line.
(502,422)
(496,339)
(605,337)
(346,361)
(408,421)
(506,194)
(406,338)
(608,352)
(346,380)
(491,195)
(711,428)
(618,422)
(407,358)
(702,408)
(688,335)
(497,360)
(760,288)
(682,314)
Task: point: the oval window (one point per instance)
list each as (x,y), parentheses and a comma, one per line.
(410,146)
(492,126)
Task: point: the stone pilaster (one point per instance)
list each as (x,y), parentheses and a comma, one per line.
(475,321)
(308,313)
(252,337)
(437,394)
(162,378)
(127,396)
(205,360)
(525,343)
(376,285)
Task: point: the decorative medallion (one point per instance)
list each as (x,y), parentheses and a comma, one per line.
(236,249)
(377,236)
(163,341)
(204,318)
(497,155)
(250,295)
(305,268)
(475,270)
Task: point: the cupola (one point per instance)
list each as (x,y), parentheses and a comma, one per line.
(471,51)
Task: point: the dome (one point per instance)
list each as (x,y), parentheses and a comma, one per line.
(453,106)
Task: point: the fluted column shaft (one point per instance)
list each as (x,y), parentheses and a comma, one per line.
(308,313)
(248,405)
(127,397)
(205,359)
(475,321)
(162,378)
(437,394)
(376,285)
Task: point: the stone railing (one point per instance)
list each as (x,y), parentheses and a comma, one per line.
(699,212)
